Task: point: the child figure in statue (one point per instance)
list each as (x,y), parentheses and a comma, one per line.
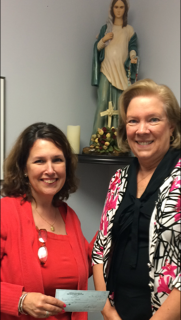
(115,47)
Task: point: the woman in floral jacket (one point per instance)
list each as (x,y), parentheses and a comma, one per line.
(136,255)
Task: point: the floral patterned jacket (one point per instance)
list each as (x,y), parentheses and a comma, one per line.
(164,234)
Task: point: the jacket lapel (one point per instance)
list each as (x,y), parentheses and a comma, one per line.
(77,242)
(156,218)
(30,267)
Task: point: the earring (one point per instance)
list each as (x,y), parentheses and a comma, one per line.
(25,175)
(172,138)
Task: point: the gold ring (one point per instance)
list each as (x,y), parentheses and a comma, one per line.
(47,314)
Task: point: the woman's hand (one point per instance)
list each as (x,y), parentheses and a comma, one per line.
(39,305)
(112,316)
(109,312)
(107,37)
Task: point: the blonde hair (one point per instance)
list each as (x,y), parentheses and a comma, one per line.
(148,87)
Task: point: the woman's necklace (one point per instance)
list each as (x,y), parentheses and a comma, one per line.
(145,177)
(51,224)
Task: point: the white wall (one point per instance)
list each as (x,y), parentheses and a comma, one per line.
(46,54)
(157,23)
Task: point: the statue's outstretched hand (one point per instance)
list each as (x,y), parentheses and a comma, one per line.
(108,36)
(134,60)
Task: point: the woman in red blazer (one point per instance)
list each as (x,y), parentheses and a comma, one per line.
(42,245)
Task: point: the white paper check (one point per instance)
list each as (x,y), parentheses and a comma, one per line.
(82,300)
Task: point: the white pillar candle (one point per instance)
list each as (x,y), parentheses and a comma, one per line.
(73,136)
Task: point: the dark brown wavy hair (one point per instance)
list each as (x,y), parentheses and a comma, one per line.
(125,16)
(16,184)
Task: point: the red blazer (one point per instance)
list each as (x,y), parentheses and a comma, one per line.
(20,269)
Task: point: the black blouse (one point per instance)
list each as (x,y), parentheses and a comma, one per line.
(132,295)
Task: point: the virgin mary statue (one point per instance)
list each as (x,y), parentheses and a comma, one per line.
(115,61)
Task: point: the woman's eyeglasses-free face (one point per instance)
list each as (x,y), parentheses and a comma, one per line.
(42,251)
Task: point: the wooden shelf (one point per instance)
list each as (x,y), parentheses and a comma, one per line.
(105,159)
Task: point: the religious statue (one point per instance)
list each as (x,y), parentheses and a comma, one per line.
(115,63)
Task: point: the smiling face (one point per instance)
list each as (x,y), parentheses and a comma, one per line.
(148,129)
(46,169)
(119,9)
